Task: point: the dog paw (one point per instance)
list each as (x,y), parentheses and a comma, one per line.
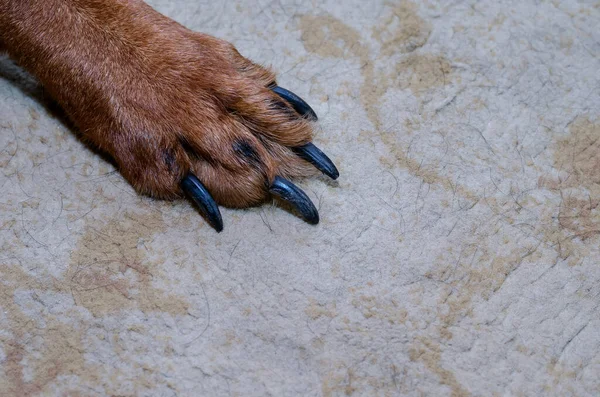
(184,114)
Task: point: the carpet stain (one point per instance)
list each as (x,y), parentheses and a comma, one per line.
(108,272)
(329,37)
(430,354)
(316,310)
(421,73)
(576,158)
(36,352)
(575,224)
(402,29)
(400,34)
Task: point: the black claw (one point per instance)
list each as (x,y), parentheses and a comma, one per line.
(297,103)
(316,157)
(291,193)
(207,205)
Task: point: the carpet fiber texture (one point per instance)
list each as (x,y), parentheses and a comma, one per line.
(456,255)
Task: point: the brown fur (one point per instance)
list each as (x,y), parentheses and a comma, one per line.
(158,98)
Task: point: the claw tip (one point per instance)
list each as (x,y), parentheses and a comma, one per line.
(316,157)
(205,202)
(292,194)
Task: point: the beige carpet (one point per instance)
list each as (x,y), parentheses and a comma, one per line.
(458,254)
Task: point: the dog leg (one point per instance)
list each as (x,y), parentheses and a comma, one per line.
(171,106)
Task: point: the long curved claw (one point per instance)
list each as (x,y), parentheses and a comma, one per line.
(291,193)
(207,205)
(297,103)
(316,157)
